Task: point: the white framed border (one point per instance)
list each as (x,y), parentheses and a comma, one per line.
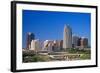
(40,65)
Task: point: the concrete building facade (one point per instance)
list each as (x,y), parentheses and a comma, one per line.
(35,45)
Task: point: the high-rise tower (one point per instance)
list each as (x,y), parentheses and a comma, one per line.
(67,37)
(75,41)
(29,38)
(35,45)
(84,42)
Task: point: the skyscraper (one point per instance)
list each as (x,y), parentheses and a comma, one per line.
(35,45)
(61,44)
(67,37)
(30,36)
(84,42)
(79,41)
(75,42)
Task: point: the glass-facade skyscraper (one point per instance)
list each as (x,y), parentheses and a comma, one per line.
(67,37)
(29,38)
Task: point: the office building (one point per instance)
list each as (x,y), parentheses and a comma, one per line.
(67,37)
(35,45)
(84,42)
(30,36)
(75,41)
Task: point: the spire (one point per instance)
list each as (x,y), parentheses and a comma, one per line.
(65,26)
(29,33)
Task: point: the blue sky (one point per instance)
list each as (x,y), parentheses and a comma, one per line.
(49,25)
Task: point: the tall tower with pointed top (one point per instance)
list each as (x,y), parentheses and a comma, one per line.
(67,37)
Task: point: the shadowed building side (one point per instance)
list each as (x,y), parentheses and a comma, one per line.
(84,42)
(75,41)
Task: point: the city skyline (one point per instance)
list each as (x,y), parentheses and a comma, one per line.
(53,23)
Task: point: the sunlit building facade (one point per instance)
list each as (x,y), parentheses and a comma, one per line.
(67,37)
(35,45)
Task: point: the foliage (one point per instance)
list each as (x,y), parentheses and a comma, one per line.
(85,56)
(39,58)
(36,58)
(79,51)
